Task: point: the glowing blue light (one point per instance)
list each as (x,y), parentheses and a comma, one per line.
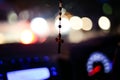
(53,68)
(29,74)
(90,67)
(46,58)
(1,75)
(1,62)
(54,73)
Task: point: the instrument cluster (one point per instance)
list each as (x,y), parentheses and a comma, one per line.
(96,59)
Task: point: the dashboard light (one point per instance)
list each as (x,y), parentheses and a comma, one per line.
(29,74)
(98,57)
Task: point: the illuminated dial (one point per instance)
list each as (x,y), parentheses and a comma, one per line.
(98,57)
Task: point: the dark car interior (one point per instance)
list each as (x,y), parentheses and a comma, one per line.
(84,54)
(16,57)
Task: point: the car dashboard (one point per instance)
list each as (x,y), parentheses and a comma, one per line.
(93,59)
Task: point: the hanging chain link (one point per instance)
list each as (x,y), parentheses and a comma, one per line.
(59,39)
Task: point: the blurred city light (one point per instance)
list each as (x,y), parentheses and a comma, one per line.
(28,37)
(65,25)
(12,17)
(76,23)
(24,15)
(104,23)
(75,36)
(40,26)
(43,22)
(107,9)
(87,24)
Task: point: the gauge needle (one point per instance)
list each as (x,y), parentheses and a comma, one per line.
(94,70)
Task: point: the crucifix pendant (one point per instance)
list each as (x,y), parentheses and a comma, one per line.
(60,41)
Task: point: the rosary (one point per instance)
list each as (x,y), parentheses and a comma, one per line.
(59,39)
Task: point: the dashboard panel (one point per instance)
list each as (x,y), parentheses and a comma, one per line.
(96,59)
(27,62)
(27,69)
(93,59)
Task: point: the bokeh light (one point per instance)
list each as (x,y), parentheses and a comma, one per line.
(27,37)
(24,15)
(75,36)
(65,25)
(87,24)
(104,23)
(107,9)
(76,23)
(12,17)
(40,26)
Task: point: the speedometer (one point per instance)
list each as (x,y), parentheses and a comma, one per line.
(98,57)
